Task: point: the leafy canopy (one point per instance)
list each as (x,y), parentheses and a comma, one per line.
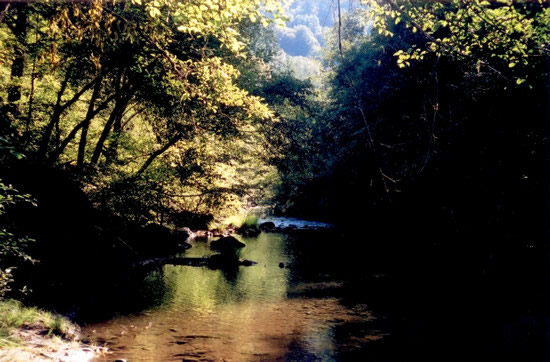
(498,34)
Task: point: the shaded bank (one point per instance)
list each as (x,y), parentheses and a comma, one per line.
(78,248)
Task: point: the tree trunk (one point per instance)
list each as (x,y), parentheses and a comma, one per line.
(59,109)
(56,114)
(115,117)
(121,102)
(18,65)
(31,99)
(86,126)
(77,128)
(112,151)
(5,8)
(10,111)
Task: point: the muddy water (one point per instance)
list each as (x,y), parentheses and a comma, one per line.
(262,312)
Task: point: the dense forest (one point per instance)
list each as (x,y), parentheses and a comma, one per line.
(421,126)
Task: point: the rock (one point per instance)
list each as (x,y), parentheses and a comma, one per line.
(249,231)
(230,229)
(226,244)
(203,235)
(217,233)
(182,233)
(193,220)
(156,240)
(267,226)
(281,265)
(184,245)
(289,229)
(156,231)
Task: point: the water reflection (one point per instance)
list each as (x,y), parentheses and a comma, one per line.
(202,288)
(244,314)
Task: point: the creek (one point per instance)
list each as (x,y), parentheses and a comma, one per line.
(290,306)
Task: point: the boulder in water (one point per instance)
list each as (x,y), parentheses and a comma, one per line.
(226,243)
(182,233)
(156,240)
(249,231)
(267,226)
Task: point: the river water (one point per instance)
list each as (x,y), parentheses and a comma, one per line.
(287,307)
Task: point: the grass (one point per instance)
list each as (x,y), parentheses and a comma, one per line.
(14,315)
(250,221)
(238,221)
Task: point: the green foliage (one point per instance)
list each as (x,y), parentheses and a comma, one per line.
(416,90)
(8,150)
(296,142)
(250,221)
(244,219)
(151,92)
(12,247)
(5,279)
(493,36)
(467,49)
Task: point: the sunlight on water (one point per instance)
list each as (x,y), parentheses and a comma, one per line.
(244,314)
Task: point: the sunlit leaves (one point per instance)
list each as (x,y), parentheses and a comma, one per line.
(169,65)
(506,32)
(220,18)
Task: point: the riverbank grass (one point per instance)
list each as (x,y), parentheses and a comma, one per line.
(238,221)
(29,334)
(13,316)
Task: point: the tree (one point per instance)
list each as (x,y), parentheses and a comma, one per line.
(117,89)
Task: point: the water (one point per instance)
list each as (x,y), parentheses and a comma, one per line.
(262,312)
(284,222)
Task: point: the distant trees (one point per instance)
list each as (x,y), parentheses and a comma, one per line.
(437,107)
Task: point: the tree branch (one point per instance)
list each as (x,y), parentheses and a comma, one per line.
(158,152)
